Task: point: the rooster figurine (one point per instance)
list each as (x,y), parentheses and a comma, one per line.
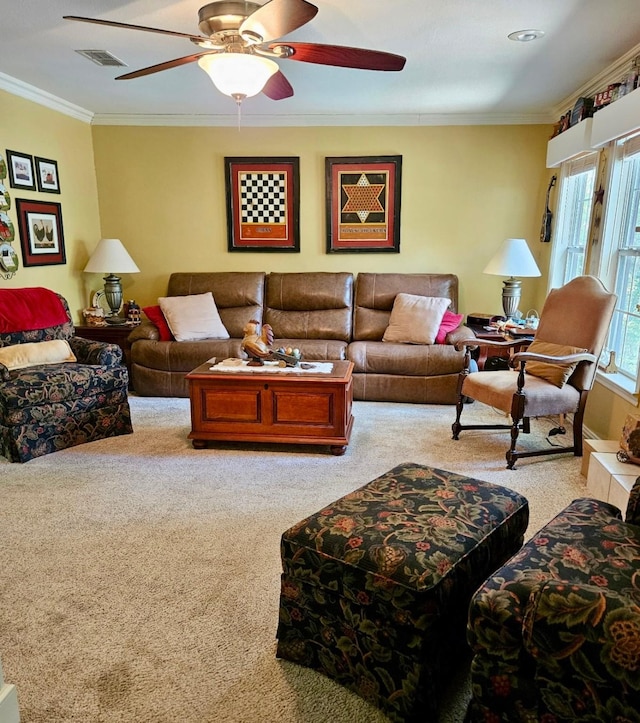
(257,346)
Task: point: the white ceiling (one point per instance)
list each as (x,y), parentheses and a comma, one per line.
(460,65)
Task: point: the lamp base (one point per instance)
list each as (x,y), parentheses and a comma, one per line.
(115,320)
(511,292)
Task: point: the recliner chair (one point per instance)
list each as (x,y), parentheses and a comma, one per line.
(46,407)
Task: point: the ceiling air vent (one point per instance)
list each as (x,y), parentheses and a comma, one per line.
(102,57)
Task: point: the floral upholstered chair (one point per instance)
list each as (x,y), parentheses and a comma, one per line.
(56,390)
(555,632)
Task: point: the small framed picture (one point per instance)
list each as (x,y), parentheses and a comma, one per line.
(41,234)
(47,175)
(21,170)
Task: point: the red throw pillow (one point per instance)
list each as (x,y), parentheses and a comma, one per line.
(156,317)
(450,321)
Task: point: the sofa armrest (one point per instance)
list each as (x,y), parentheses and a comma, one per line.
(145,330)
(460,333)
(584,637)
(95,352)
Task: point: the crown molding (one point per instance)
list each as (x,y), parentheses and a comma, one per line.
(612,74)
(30,92)
(253,121)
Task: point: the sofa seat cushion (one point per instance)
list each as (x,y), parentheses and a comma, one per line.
(376,357)
(315,349)
(542,398)
(182,356)
(46,384)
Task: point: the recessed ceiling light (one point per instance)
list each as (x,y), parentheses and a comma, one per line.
(524,36)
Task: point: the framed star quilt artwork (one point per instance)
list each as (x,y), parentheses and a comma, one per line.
(363,204)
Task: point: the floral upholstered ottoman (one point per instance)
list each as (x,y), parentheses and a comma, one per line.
(376,586)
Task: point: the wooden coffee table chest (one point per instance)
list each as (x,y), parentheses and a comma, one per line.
(292,407)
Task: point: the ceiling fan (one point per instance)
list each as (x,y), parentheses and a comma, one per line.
(238,51)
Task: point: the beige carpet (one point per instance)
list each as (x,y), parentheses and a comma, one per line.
(139,577)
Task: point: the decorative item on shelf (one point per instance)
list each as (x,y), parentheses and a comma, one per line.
(604,97)
(582,109)
(630,440)
(111,257)
(94,316)
(133,313)
(512,258)
(611,367)
(532,319)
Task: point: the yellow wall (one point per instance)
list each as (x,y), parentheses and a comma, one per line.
(32,129)
(161,190)
(464,190)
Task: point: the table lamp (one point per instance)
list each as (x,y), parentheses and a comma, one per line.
(111,257)
(512,259)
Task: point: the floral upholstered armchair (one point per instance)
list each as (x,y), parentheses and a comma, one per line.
(555,632)
(56,390)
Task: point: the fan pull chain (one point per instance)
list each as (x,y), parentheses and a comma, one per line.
(239,104)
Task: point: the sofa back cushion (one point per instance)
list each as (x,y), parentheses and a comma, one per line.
(313,305)
(376,293)
(238,295)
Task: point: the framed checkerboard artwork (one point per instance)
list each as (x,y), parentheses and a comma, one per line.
(263,204)
(363,204)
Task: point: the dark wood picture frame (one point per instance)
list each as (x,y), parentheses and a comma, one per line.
(47,175)
(41,233)
(363,204)
(21,173)
(263,204)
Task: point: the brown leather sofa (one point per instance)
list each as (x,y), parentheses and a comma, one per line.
(326,315)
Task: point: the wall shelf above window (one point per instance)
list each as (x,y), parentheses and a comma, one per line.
(572,143)
(616,120)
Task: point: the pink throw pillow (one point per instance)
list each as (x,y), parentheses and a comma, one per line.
(450,321)
(156,317)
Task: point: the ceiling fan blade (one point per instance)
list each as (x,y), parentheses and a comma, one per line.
(340,55)
(278,87)
(162,66)
(277,18)
(128,26)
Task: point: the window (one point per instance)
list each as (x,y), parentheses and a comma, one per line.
(573,219)
(619,266)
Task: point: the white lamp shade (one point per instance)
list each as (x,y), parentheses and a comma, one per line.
(513,259)
(110,256)
(238,75)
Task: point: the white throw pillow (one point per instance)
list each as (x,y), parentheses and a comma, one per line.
(19,356)
(193,317)
(415,319)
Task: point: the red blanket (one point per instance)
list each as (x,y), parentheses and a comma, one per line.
(28,309)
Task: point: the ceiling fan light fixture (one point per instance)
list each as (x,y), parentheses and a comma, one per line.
(238,74)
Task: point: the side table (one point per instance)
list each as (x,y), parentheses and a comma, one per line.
(484,351)
(110,334)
